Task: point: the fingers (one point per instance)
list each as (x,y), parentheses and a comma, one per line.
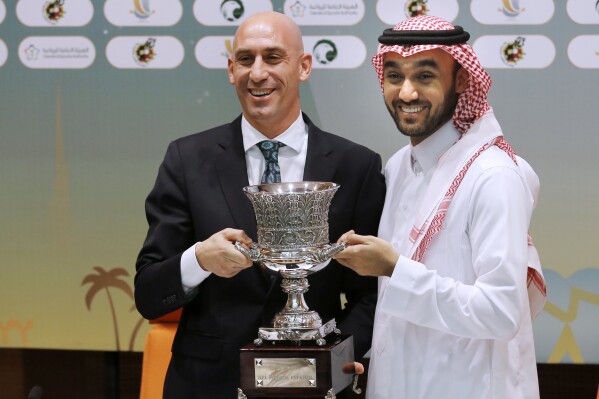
(350,252)
(356,239)
(344,236)
(218,254)
(236,235)
(352,238)
(359,368)
(353,368)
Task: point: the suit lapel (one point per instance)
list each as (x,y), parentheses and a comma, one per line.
(232,176)
(319,166)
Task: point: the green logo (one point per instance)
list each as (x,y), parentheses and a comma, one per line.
(232,10)
(324,51)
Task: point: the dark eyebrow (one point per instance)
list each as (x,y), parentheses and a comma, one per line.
(426,62)
(390,64)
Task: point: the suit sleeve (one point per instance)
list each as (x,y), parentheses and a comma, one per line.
(361,292)
(158,287)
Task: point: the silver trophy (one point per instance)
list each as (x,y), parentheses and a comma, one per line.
(293,240)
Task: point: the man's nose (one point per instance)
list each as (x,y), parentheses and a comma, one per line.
(258,72)
(408,91)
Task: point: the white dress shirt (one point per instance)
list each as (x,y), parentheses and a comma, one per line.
(292,159)
(457,325)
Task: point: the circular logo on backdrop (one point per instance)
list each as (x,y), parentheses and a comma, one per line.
(141,9)
(393,11)
(512,12)
(324,51)
(513,52)
(511,8)
(54,11)
(136,52)
(145,13)
(415,8)
(144,52)
(232,10)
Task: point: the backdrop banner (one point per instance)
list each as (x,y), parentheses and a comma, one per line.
(93,92)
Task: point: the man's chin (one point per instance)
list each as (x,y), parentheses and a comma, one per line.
(260,114)
(410,130)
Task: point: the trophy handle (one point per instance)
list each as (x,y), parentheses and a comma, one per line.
(253,253)
(355,384)
(329,251)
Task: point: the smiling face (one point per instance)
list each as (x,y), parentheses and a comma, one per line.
(266,67)
(421,91)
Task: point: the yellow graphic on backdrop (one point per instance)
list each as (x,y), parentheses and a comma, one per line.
(566,344)
(60,214)
(105,281)
(511,8)
(20,328)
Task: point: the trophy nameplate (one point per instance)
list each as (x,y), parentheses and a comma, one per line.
(291,371)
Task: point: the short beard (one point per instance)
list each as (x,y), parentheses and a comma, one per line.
(433,123)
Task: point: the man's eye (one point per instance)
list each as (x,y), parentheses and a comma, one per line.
(244,60)
(273,58)
(393,76)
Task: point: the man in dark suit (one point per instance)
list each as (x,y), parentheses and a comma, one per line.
(197,209)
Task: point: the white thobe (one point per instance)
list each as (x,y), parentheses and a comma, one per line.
(457,325)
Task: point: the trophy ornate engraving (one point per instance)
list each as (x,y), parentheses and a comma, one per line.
(306,355)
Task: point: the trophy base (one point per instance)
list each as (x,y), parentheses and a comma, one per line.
(290,371)
(317,334)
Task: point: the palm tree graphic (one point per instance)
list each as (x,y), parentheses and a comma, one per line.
(104,280)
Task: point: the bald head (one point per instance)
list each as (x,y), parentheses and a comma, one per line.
(266,67)
(273,23)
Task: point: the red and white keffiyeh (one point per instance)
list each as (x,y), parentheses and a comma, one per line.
(472,103)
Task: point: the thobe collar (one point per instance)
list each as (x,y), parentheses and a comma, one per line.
(426,154)
(293,137)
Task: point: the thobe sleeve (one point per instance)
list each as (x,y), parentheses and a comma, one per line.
(491,307)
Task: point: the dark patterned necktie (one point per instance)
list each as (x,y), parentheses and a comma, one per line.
(270,150)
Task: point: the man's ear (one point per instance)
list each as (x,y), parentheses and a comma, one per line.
(230,71)
(461,80)
(305,65)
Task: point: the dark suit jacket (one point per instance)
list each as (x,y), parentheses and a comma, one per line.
(198,192)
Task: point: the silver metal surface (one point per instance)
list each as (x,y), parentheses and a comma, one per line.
(355,384)
(296,333)
(293,241)
(285,372)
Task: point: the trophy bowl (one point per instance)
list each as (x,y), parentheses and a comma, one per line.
(293,228)
(293,241)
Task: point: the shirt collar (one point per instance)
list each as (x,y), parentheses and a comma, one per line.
(426,154)
(293,137)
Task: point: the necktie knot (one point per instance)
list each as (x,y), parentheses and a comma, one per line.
(270,151)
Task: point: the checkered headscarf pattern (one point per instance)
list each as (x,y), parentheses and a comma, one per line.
(472,103)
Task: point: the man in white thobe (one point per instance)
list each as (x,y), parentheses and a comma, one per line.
(460,281)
